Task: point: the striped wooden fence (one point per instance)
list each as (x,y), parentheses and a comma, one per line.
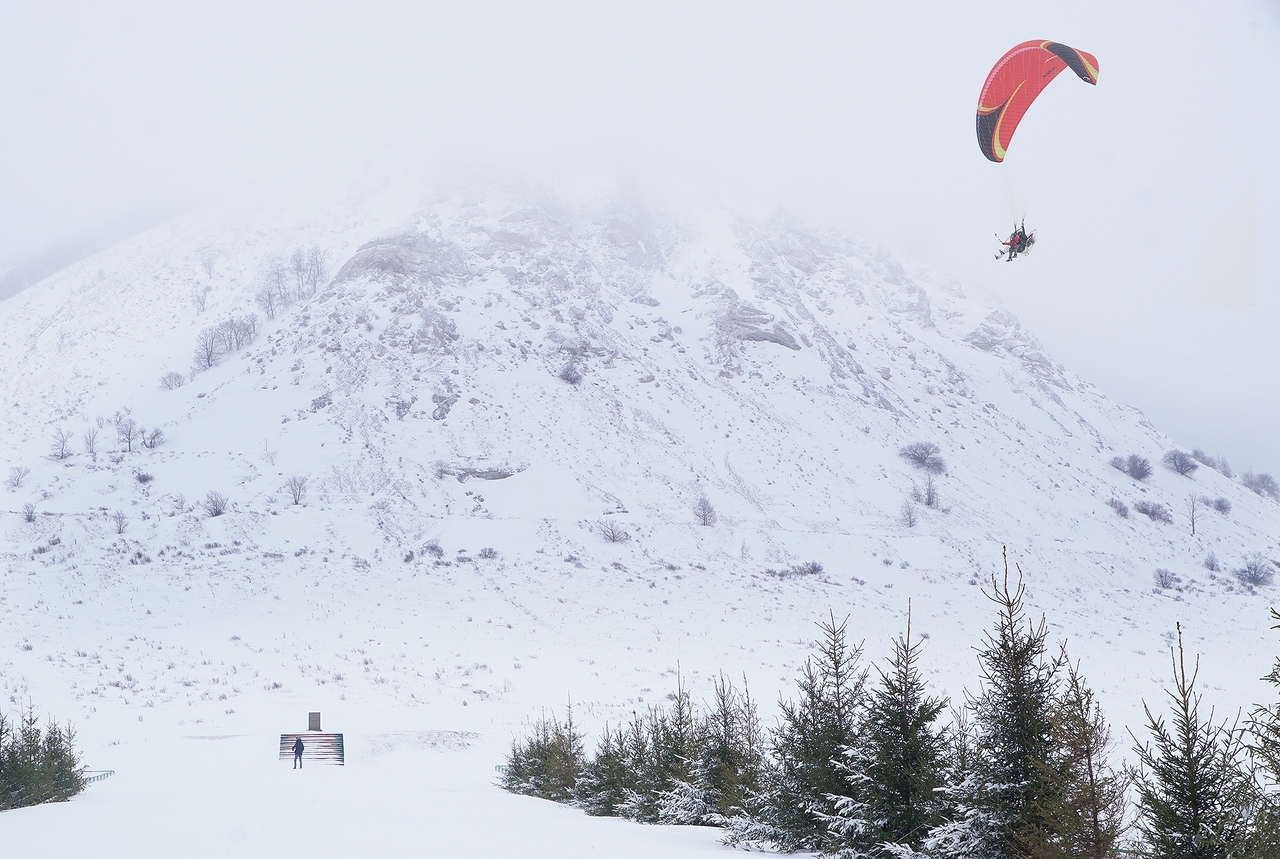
(324,748)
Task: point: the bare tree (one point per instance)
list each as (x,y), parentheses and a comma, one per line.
(278,277)
(703,512)
(297,486)
(215,504)
(298,267)
(1263,484)
(17,474)
(90,440)
(121,521)
(268,301)
(128,432)
(28,512)
(925,455)
(612,531)
(207,258)
(926,495)
(153,438)
(171,380)
(315,268)
(1181,462)
(60,448)
(200,298)
(1193,504)
(208,345)
(908,515)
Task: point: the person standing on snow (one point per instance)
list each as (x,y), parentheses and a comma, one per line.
(297,753)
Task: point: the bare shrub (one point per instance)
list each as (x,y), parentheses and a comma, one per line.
(60,447)
(1263,484)
(1137,467)
(171,380)
(297,487)
(612,531)
(90,439)
(808,568)
(215,504)
(28,512)
(120,520)
(703,512)
(1218,464)
(1153,511)
(925,455)
(153,438)
(1166,579)
(571,373)
(1257,571)
(17,474)
(488,553)
(143,477)
(907,514)
(1181,462)
(433,549)
(1211,563)
(1122,509)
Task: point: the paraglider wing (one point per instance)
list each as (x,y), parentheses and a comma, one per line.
(1015,82)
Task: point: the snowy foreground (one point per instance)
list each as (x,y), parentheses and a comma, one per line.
(224,796)
(445,578)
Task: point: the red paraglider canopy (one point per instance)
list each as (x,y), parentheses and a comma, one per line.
(1015,81)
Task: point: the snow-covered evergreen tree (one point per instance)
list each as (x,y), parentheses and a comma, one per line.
(895,767)
(1002,808)
(728,764)
(799,791)
(1193,791)
(1264,751)
(1087,818)
(546,763)
(601,788)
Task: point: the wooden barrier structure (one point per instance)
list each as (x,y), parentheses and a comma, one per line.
(318,746)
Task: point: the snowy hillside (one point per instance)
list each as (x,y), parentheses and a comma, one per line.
(480,389)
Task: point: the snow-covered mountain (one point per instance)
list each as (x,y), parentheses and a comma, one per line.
(506,410)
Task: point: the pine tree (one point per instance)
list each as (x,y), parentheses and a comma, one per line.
(545,764)
(896,767)
(1086,818)
(601,788)
(1006,797)
(37,766)
(728,765)
(1193,790)
(800,790)
(1264,752)
(644,782)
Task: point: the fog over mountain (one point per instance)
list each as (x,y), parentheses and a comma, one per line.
(432,462)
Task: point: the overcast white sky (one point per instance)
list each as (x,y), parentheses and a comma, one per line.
(1147,278)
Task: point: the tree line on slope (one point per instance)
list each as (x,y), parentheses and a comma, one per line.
(863,768)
